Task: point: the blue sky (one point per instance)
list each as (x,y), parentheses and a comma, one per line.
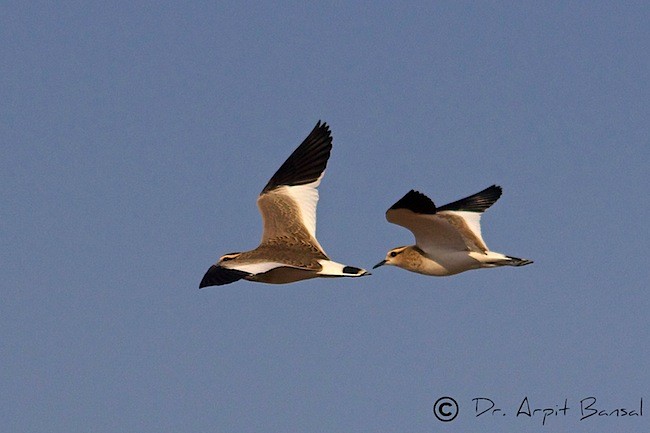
(136,137)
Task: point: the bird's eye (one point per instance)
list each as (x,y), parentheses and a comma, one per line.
(393,253)
(230,256)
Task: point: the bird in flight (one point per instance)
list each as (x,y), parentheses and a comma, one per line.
(289,250)
(447,238)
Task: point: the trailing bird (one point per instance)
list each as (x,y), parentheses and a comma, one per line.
(448,238)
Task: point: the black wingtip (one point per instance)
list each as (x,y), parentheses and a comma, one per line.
(478,202)
(307,162)
(218,276)
(416,202)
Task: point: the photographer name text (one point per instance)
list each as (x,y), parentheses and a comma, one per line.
(584,409)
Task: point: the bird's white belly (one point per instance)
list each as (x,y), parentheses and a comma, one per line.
(447,264)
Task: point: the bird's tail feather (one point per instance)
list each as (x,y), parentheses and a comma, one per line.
(493,259)
(513,261)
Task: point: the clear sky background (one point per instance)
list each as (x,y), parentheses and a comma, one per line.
(135,138)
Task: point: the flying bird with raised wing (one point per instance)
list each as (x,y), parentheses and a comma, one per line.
(448,238)
(289,250)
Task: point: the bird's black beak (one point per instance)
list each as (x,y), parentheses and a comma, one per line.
(383,262)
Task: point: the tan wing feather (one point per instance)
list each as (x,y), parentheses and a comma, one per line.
(283,221)
(443,231)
